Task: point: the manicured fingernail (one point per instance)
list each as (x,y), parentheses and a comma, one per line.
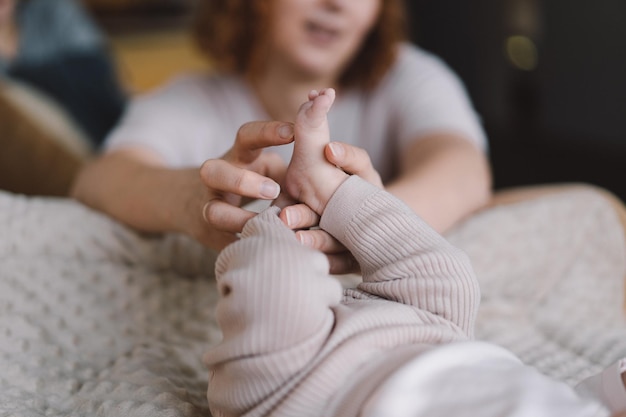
(269,189)
(285,131)
(293,217)
(305,239)
(336,149)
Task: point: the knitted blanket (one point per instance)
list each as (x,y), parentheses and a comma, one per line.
(98,320)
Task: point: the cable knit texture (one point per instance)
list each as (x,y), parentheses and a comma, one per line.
(97,320)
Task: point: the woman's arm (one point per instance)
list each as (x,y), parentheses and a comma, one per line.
(134,186)
(443,178)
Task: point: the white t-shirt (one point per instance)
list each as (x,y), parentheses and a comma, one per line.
(196,117)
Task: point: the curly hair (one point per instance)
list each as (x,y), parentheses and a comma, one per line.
(231,33)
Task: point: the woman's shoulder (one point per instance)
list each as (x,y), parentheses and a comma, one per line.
(194,99)
(418,73)
(198,86)
(414,61)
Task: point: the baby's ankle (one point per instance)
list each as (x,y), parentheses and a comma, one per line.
(326,188)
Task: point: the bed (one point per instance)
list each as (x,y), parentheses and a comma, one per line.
(98,320)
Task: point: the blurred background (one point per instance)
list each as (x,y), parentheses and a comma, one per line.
(547,77)
(150,39)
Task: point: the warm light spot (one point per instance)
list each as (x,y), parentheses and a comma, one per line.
(149,59)
(522,52)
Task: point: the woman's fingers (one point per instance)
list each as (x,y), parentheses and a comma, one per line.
(271,165)
(299,216)
(253,137)
(221,176)
(219,223)
(340,260)
(225,217)
(244,172)
(353,160)
(320,240)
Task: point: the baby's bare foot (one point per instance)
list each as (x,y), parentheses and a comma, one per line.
(310,178)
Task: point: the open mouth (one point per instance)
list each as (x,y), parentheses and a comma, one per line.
(321,33)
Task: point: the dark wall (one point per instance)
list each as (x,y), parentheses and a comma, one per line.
(561,120)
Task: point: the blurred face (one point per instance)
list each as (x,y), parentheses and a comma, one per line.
(319,37)
(6,11)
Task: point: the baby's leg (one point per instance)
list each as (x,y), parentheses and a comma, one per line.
(310,178)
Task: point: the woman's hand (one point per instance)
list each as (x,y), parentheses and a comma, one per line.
(135,186)
(300,217)
(243,173)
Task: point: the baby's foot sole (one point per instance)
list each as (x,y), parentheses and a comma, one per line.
(310,177)
(314,111)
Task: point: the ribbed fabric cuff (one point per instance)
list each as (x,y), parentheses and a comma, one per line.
(344,203)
